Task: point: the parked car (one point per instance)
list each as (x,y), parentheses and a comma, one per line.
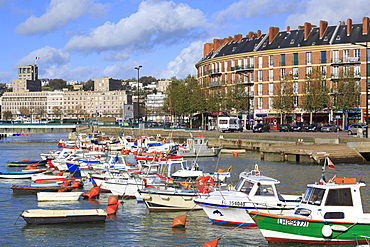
(313,128)
(285,127)
(261,128)
(298,126)
(329,128)
(353,128)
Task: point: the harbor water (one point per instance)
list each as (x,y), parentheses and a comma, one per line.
(134,225)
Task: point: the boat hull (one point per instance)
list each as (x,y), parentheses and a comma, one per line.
(169,201)
(40,216)
(286,229)
(28,190)
(58,196)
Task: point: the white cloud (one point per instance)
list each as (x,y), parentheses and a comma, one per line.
(184,64)
(315,10)
(254,8)
(48,56)
(157,23)
(6,77)
(58,14)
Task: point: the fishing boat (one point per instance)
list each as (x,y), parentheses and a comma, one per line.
(252,192)
(329,213)
(42,216)
(58,196)
(24,163)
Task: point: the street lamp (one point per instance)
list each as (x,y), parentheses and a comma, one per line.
(367,89)
(138,103)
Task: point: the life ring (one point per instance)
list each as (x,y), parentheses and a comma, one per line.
(204,184)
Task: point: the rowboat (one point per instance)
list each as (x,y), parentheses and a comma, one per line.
(253,191)
(58,196)
(330,213)
(25,174)
(33,190)
(42,216)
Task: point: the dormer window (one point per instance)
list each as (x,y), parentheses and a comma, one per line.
(292,42)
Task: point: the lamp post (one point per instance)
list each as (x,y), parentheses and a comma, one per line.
(367,88)
(138,102)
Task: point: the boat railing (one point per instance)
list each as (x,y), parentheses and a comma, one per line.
(360,237)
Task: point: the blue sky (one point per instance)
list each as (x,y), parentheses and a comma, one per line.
(87,39)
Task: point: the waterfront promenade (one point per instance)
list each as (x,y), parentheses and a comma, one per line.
(290,146)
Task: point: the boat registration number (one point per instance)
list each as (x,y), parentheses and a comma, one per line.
(234,203)
(293,222)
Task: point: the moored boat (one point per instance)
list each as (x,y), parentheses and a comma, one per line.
(25,174)
(42,216)
(33,190)
(58,196)
(253,192)
(330,213)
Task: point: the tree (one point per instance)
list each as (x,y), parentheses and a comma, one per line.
(89,85)
(57,111)
(24,111)
(238,98)
(316,97)
(284,101)
(7,114)
(57,84)
(346,91)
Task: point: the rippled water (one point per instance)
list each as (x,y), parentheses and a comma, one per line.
(134,225)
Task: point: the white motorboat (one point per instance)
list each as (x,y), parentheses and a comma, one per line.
(253,192)
(58,196)
(197,147)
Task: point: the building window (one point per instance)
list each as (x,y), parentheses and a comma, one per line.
(356,53)
(308,57)
(335,71)
(323,57)
(251,62)
(271,102)
(295,87)
(271,74)
(295,101)
(282,60)
(282,74)
(323,71)
(271,61)
(225,66)
(260,75)
(295,73)
(356,70)
(308,71)
(260,62)
(335,56)
(295,58)
(259,103)
(259,89)
(271,88)
(346,55)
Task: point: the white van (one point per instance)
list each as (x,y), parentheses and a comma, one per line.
(229,124)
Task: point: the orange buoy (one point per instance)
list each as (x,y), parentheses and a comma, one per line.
(221,170)
(179,221)
(212,243)
(94,192)
(235,153)
(112,207)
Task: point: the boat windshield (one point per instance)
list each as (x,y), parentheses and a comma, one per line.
(313,196)
(264,190)
(244,186)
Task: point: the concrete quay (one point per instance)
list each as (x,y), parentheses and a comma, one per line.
(290,146)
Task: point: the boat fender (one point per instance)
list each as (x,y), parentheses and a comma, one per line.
(326,231)
(339,228)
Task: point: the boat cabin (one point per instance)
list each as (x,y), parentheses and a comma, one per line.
(338,200)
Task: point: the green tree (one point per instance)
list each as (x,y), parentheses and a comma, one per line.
(57,84)
(88,85)
(316,97)
(346,91)
(283,100)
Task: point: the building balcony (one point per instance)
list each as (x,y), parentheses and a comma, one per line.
(215,83)
(214,72)
(348,60)
(242,68)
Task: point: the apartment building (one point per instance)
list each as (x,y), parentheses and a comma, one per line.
(80,104)
(260,61)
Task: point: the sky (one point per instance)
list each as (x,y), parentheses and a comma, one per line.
(87,39)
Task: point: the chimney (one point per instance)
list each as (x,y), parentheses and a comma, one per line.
(349,26)
(300,27)
(250,35)
(207,48)
(217,43)
(323,26)
(365,25)
(259,33)
(288,28)
(237,37)
(229,39)
(307,29)
(273,31)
